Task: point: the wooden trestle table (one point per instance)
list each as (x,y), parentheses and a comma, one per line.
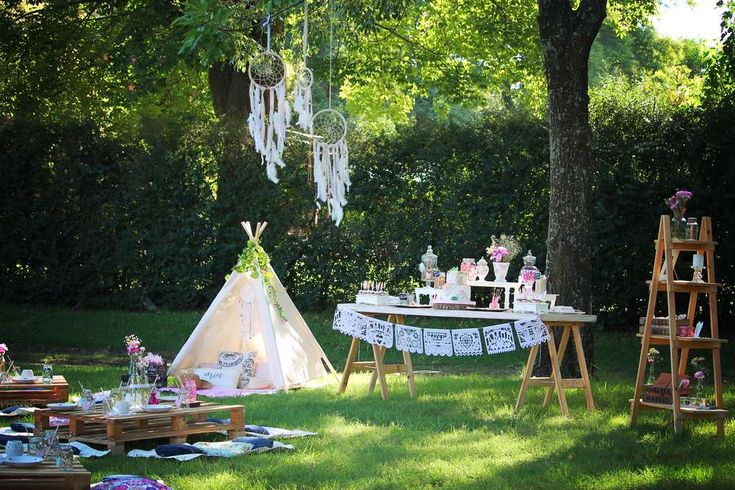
(570,323)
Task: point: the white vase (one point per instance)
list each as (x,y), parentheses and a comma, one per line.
(500,269)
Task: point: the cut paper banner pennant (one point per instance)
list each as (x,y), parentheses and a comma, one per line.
(466,342)
(531,332)
(380,333)
(499,338)
(438,341)
(409,339)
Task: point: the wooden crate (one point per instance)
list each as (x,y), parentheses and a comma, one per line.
(37,394)
(114,431)
(660,390)
(45,476)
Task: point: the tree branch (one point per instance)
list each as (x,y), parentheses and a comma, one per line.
(588,18)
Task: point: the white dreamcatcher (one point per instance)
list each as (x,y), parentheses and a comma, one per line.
(331,155)
(269,110)
(302,104)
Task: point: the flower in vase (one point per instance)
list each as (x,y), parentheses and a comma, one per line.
(152,359)
(678,201)
(503,249)
(3,349)
(652,354)
(133,345)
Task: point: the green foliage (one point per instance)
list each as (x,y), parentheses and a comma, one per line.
(255,261)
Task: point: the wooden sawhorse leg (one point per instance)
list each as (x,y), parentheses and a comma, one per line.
(348,365)
(555,380)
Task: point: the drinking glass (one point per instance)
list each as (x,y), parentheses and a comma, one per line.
(48,373)
(65,457)
(50,442)
(35,446)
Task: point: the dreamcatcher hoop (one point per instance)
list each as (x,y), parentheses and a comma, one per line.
(331,159)
(329,126)
(267,69)
(269,110)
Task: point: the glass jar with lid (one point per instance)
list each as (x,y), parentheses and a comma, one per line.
(529,274)
(692,229)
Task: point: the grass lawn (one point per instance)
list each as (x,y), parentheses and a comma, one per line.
(460,432)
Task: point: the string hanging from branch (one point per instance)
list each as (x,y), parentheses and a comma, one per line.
(269,110)
(302,100)
(331,154)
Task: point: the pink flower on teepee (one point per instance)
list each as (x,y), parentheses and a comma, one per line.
(3,349)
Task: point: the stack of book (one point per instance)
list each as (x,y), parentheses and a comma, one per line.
(660,325)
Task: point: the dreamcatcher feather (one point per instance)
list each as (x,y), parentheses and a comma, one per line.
(269,110)
(302,91)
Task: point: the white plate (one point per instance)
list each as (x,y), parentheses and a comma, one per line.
(157,408)
(63,406)
(20,379)
(24,461)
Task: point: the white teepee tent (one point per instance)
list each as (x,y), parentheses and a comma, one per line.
(243,318)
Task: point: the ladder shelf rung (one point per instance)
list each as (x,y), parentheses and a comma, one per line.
(692,245)
(689,286)
(687,342)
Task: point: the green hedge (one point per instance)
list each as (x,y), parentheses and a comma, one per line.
(89,219)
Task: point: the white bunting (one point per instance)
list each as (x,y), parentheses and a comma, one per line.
(499,338)
(438,342)
(466,342)
(409,339)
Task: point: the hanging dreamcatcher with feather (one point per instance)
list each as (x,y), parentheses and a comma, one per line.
(269,110)
(331,155)
(304,78)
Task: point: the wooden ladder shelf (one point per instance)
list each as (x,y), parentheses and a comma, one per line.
(663,281)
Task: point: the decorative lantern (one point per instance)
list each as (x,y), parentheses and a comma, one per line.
(428,266)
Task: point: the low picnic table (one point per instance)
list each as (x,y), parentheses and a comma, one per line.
(45,475)
(36,394)
(114,431)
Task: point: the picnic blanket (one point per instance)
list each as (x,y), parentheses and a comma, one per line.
(225,449)
(17,411)
(267,432)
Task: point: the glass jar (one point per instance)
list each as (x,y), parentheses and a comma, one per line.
(429,264)
(48,373)
(65,457)
(35,446)
(470,267)
(692,229)
(678,225)
(529,274)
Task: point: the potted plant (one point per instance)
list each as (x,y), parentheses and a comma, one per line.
(501,252)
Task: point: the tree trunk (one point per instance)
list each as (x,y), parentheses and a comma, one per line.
(566,38)
(231,103)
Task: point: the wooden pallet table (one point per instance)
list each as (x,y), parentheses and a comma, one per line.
(114,431)
(569,325)
(37,394)
(45,476)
